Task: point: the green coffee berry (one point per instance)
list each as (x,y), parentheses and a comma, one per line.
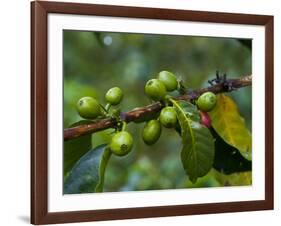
(114,95)
(88,108)
(151,132)
(155,89)
(168,117)
(121,143)
(207,101)
(169,80)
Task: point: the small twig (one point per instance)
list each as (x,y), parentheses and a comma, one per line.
(149,112)
(226,86)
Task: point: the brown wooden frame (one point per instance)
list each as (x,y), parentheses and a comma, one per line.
(39,107)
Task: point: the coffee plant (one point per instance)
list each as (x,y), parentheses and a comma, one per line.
(212,131)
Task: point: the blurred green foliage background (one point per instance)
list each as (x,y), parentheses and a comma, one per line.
(97,61)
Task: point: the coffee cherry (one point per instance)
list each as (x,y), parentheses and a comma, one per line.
(114,95)
(207,101)
(205,119)
(168,117)
(151,132)
(88,108)
(169,80)
(121,143)
(155,89)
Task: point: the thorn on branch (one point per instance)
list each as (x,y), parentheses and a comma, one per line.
(222,80)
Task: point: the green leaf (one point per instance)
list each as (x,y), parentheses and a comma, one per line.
(190,110)
(228,123)
(87,174)
(75,148)
(198,144)
(227,158)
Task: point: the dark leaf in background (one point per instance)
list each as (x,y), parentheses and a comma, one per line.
(227,158)
(246,42)
(74,149)
(87,174)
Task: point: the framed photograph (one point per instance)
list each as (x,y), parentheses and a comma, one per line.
(147,112)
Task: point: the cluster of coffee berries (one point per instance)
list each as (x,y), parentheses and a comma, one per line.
(152,129)
(89,108)
(156,89)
